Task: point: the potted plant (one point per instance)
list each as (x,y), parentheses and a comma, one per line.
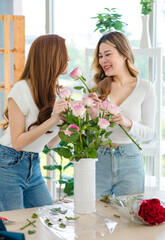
(145,13)
(109,21)
(68,181)
(146,6)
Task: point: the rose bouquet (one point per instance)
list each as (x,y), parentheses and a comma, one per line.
(141,210)
(84,135)
(109,108)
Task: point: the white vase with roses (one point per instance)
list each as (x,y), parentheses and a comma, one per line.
(83,136)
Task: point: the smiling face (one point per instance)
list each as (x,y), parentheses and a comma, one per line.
(111,61)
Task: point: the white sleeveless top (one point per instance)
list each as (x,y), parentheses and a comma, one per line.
(21,94)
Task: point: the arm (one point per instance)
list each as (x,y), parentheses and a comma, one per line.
(54,142)
(20,138)
(144,131)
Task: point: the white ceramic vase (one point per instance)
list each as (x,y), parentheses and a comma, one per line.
(145,37)
(85,185)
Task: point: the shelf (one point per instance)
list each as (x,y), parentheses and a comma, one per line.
(2,86)
(148,52)
(3,51)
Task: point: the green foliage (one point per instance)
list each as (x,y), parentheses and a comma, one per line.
(109,21)
(64,179)
(85,142)
(146,6)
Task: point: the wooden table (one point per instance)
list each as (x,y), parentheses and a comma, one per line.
(90,226)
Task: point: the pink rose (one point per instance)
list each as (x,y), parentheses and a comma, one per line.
(104,106)
(68,130)
(76,73)
(109,107)
(78,110)
(74,103)
(87,101)
(103,123)
(113,108)
(66,93)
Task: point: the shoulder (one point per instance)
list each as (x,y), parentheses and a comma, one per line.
(20,84)
(19,88)
(20,94)
(146,85)
(147,90)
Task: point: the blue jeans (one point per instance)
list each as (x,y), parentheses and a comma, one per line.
(119,170)
(21,181)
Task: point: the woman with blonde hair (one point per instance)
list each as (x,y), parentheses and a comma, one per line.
(32,117)
(120,170)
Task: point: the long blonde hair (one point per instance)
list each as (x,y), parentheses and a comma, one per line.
(121,43)
(46,61)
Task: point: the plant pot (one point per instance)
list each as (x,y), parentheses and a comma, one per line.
(85,185)
(145,37)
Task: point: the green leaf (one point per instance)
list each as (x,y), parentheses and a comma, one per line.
(46,150)
(65,152)
(74,137)
(112,124)
(91,145)
(69,187)
(118,25)
(71,218)
(72,129)
(92,153)
(70,164)
(34,215)
(52,167)
(95,90)
(93,129)
(63,181)
(79,87)
(104,142)
(31,232)
(64,126)
(69,119)
(84,90)
(63,137)
(108,134)
(62,225)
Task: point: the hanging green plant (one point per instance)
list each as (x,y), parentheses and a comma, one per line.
(109,21)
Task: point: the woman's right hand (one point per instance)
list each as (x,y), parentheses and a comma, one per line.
(58,108)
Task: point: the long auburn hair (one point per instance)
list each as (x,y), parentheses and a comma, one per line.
(121,43)
(47,60)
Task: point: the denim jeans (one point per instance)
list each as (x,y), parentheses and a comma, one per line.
(21,181)
(119,170)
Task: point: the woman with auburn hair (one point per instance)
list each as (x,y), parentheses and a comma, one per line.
(120,170)
(33,115)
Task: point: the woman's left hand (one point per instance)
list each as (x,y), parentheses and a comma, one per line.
(122,120)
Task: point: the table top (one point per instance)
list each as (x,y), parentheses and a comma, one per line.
(89,226)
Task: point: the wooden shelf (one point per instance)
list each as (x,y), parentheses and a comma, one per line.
(3,51)
(18,51)
(2,86)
